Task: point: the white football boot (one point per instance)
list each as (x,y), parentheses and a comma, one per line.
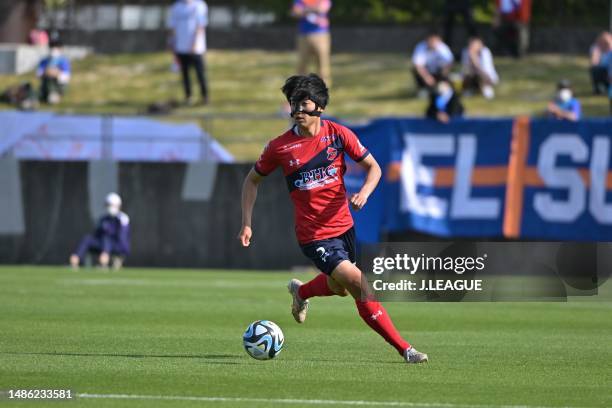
(299,308)
(414,357)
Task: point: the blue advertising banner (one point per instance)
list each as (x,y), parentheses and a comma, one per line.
(488,178)
(567,183)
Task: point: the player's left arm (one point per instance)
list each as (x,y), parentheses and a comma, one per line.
(373,173)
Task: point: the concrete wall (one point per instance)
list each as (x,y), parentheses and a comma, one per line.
(168,230)
(345,39)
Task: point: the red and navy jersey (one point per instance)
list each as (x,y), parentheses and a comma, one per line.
(314,168)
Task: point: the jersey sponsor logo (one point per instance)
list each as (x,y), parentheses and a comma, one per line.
(318,177)
(295,162)
(332,153)
(291,147)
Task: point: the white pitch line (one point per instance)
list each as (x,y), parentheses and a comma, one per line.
(301,401)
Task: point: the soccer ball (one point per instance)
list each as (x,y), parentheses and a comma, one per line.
(263,340)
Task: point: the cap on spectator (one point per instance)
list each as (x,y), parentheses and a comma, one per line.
(113,199)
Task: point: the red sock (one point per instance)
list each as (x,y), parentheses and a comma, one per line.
(316,287)
(375,315)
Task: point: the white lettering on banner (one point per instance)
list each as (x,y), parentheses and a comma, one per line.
(463,206)
(414,173)
(561,178)
(600,162)
(563,198)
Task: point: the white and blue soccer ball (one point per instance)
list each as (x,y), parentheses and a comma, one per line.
(263,340)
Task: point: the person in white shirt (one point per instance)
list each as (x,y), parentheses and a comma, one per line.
(187,21)
(479,72)
(432,60)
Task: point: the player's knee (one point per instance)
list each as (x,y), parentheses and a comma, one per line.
(349,277)
(335,287)
(340,291)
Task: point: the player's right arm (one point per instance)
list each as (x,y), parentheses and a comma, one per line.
(249,195)
(265,165)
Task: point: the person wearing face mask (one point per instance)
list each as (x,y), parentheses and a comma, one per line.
(54,73)
(564,106)
(444,103)
(110,238)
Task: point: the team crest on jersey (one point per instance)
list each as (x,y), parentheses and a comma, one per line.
(318,177)
(332,153)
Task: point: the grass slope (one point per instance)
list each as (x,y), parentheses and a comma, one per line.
(245,84)
(176,332)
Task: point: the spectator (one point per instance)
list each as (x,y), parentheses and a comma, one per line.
(314,38)
(187,21)
(110,238)
(564,106)
(607,62)
(479,72)
(39,37)
(511,25)
(54,73)
(444,102)
(599,70)
(432,60)
(452,8)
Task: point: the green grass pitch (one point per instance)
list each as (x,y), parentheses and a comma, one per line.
(178,334)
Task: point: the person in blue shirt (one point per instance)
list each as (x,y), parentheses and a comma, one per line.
(444,102)
(54,72)
(564,106)
(599,69)
(314,39)
(110,238)
(607,62)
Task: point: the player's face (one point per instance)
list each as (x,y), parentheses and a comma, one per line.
(301,118)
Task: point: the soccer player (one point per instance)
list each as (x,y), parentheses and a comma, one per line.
(111,237)
(311,155)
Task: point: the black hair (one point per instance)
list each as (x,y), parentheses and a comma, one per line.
(433,32)
(564,84)
(300,87)
(57,43)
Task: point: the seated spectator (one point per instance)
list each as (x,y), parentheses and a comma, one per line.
(111,237)
(599,70)
(444,102)
(432,60)
(54,74)
(565,106)
(479,72)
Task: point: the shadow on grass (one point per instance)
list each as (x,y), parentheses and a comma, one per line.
(186,356)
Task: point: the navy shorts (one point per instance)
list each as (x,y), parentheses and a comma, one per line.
(328,253)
